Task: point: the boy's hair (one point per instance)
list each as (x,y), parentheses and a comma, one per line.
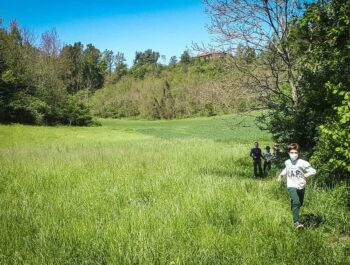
(293,146)
(267,148)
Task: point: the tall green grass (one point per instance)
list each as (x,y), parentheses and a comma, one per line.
(156,192)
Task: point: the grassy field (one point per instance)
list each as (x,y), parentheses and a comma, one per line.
(156,192)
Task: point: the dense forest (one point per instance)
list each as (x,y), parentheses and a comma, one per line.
(299,74)
(42,84)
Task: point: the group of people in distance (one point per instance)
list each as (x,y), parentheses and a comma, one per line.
(296,171)
(257,154)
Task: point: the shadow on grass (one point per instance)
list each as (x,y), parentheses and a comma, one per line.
(242,168)
(229,168)
(311,220)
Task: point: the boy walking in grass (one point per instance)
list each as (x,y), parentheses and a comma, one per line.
(256,154)
(297,171)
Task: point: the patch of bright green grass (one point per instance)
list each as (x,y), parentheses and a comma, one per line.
(159,192)
(237,128)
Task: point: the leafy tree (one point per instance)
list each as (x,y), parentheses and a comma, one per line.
(172,61)
(120,71)
(121,68)
(27,109)
(109,58)
(15,71)
(94,67)
(120,59)
(185,57)
(332,155)
(72,67)
(75,112)
(323,40)
(327,84)
(147,57)
(35,81)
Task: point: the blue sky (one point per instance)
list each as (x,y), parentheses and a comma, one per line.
(168,27)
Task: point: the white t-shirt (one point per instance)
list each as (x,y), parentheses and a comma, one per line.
(295,172)
(267,156)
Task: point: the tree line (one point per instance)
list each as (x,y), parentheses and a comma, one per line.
(50,83)
(41,84)
(192,86)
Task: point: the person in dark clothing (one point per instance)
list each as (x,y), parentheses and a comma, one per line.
(256,154)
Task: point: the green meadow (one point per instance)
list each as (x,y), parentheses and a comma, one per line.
(157,192)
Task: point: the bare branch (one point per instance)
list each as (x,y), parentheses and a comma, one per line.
(263,25)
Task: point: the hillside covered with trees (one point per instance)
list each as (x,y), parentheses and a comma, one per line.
(193,86)
(54,84)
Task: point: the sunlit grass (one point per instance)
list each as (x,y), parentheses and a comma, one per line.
(159,192)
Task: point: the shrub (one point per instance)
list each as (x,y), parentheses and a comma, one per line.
(27,109)
(332,155)
(75,112)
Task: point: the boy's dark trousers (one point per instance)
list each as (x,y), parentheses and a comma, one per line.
(296,201)
(267,164)
(257,165)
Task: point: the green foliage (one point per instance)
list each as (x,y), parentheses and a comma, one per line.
(8,77)
(332,155)
(75,112)
(94,68)
(72,66)
(146,57)
(120,71)
(35,82)
(54,75)
(185,58)
(142,70)
(109,58)
(164,105)
(321,38)
(27,109)
(159,92)
(327,84)
(15,77)
(246,53)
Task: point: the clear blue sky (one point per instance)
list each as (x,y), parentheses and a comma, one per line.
(168,27)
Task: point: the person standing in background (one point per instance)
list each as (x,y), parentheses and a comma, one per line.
(255,154)
(267,159)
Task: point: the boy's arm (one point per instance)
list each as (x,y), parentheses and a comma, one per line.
(309,170)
